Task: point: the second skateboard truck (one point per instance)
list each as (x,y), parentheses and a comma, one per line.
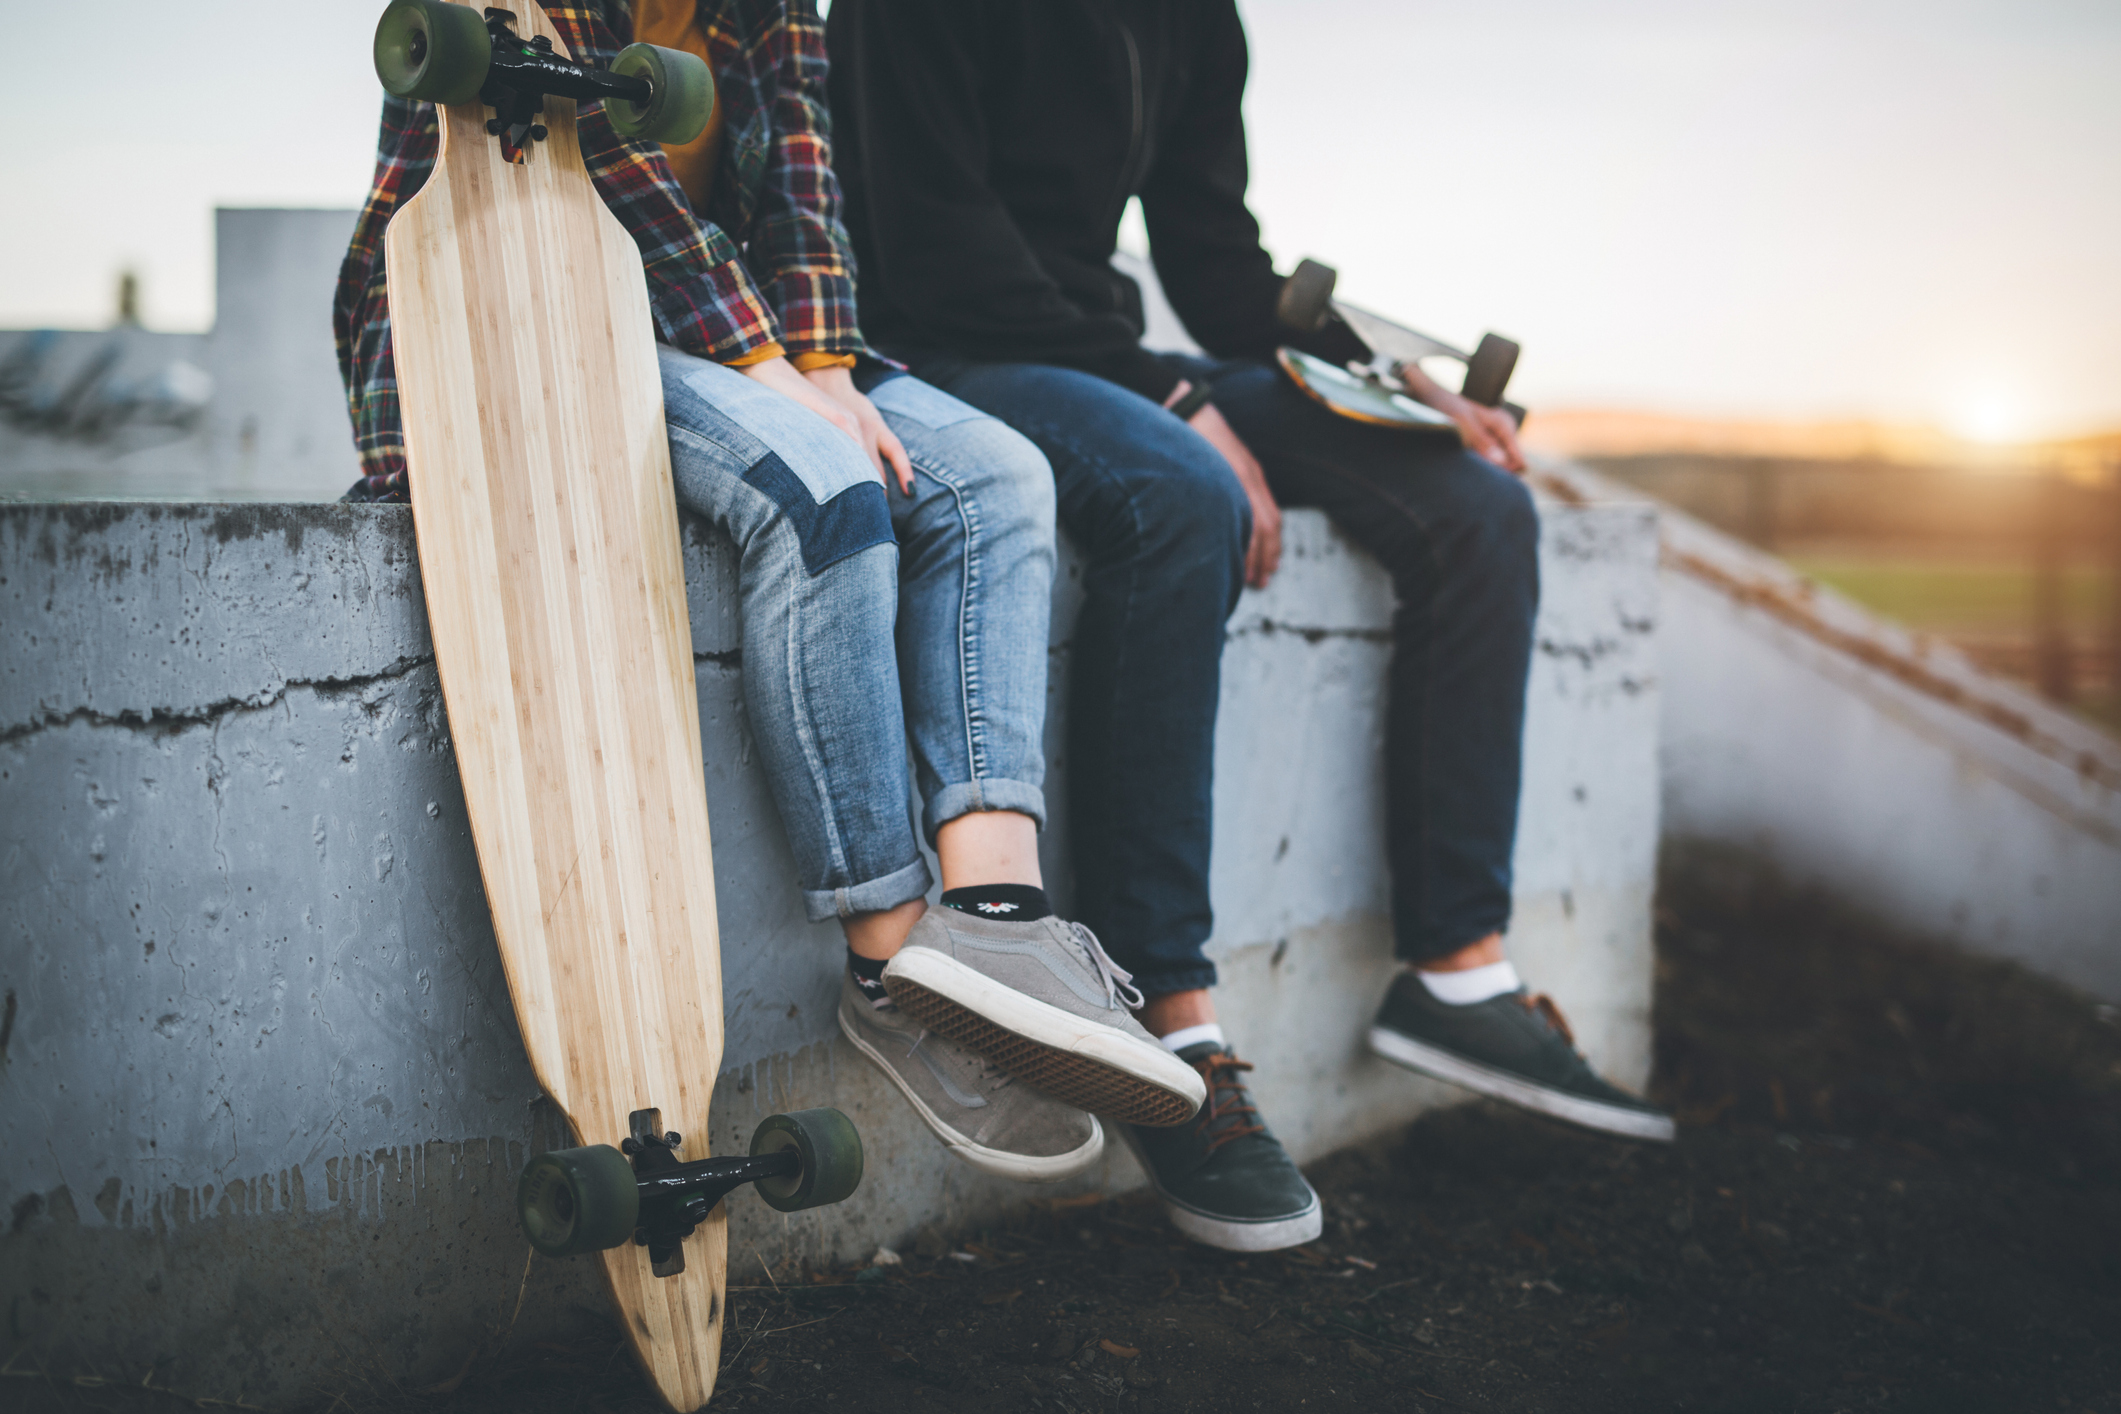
(589,1199)
(1307,307)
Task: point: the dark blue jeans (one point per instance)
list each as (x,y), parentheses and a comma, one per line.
(1162,526)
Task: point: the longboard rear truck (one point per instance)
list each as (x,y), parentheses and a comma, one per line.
(594,1198)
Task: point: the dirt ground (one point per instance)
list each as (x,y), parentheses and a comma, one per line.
(1898,1186)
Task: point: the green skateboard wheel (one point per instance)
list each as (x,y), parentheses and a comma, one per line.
(680,95)
(433,50)
(578,1200)
(832,1158)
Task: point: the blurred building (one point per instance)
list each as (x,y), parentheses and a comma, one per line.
(252,410)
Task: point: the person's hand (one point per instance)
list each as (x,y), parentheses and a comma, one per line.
(1489,432)
(780,375)
(1263,554)
(879,441)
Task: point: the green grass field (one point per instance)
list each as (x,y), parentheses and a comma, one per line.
(1986,606)
(1943,598)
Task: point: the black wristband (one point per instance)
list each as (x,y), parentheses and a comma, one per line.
(1199,397)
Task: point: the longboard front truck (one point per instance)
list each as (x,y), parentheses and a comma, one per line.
(444,53)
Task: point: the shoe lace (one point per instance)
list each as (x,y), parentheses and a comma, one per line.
(1227,1100)
(1118,980)
(1542,1005)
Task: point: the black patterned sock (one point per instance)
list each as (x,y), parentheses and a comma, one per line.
(1010,903)
(868,975)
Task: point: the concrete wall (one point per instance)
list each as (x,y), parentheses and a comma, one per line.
(274,422)
(1842,753)
(261,1096)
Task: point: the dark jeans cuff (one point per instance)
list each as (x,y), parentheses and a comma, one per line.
(1162,984)
(1428,944)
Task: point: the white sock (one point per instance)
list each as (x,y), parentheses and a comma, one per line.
(1475,984)
(1192,1036)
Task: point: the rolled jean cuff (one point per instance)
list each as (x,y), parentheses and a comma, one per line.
(952,801)
(1163,984)
(871,896)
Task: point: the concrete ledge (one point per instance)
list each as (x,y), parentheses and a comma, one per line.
(1847,755)
(261,1097)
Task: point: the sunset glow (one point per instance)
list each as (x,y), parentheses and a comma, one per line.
(1990,417)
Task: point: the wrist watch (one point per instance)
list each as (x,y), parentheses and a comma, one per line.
(1201,395)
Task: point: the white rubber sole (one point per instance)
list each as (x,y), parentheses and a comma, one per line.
(1235,1234)
(1247,1237)
(1516,1090)
(1025,1168)
(1086,1063)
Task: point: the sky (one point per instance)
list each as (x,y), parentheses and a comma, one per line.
(1902,210)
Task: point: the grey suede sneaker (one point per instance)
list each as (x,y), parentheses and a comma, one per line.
(978,1110)
(1044,1002)
(1224,1179)
(1515,1047)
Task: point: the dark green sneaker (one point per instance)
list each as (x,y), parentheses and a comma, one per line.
(1515,1047)
(1224,1179)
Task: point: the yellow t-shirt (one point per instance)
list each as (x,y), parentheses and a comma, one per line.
(675,24)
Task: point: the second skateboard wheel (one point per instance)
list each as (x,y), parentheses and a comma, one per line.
(433,50)
(680,95)
(1306,296)
(578,1200)
(1488,370)
(831,1151)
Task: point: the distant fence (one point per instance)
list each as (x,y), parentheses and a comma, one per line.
(1770,502)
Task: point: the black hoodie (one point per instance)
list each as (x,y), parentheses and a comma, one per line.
(988,148)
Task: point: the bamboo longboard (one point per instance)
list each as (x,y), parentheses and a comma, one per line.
(548,543)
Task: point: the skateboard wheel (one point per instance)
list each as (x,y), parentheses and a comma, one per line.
(432,49)
(1488,370)
(1306,296)
(578,1200)
(831,1152)
(680,95)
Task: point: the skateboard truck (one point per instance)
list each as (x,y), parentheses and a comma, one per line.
(519,73)
(598,1197)
(447,53)
(676,1196)
(1379,346)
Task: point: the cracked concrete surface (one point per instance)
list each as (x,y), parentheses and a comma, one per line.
(257,1062)
(172,719)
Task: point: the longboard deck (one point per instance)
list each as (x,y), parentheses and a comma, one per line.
(548,543)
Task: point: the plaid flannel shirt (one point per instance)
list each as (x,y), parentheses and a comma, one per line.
(774,198)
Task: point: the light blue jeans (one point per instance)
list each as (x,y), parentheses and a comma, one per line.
(871,619)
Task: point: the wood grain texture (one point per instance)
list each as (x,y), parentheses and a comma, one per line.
(548,541)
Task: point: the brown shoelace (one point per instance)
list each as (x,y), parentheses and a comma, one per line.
(1221,1071)
(1540,1004)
